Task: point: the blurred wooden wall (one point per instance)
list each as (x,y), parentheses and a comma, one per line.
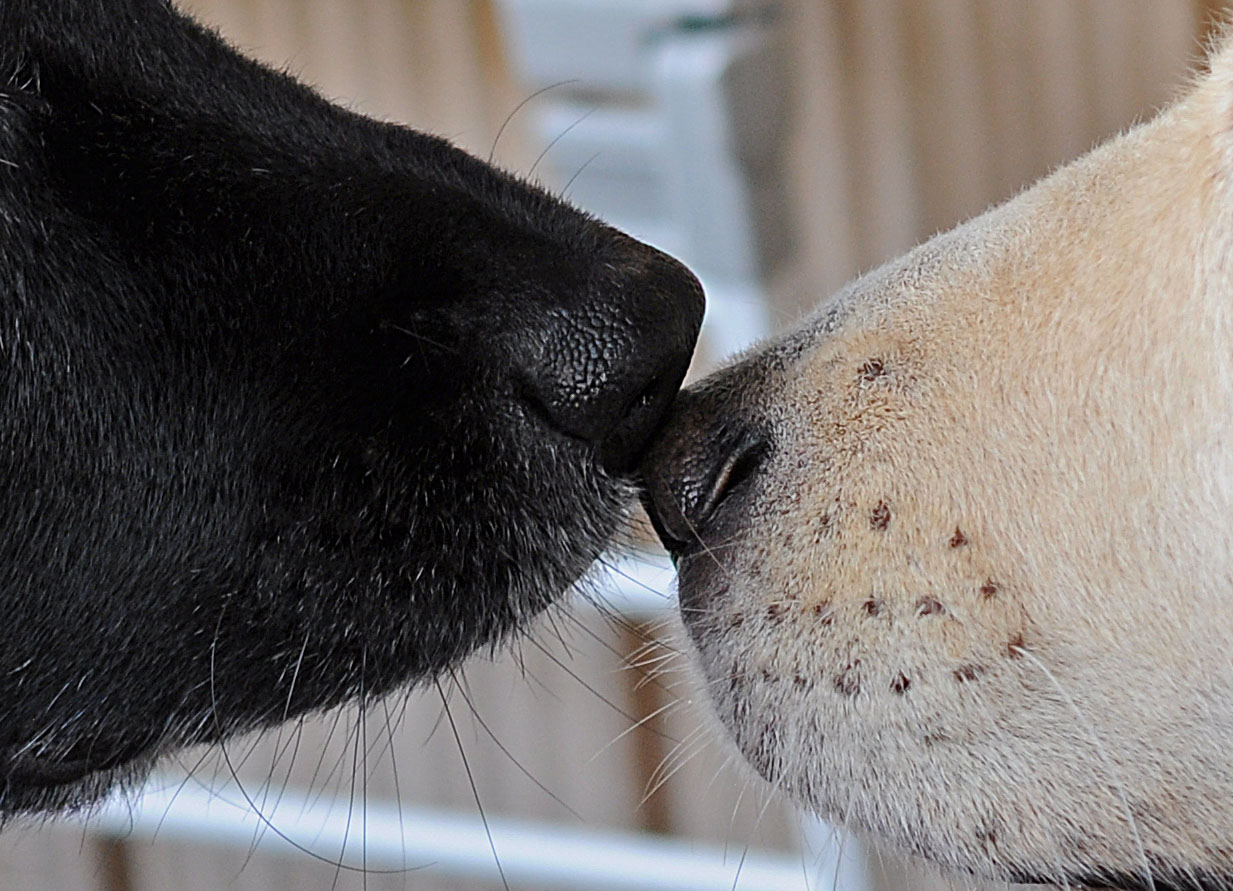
(916,114)
(439,65)
(910,115)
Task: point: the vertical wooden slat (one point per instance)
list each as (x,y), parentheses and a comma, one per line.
(1004,50)
(393,46)
(1116,91)
(1055,69)
(947,110)
(1213,18)
(877,124)
(513,151)
(1170,43)
(819,159)
(47,857)
(278,34)
(446,58)
(115,872)
(233,18)
(333,43)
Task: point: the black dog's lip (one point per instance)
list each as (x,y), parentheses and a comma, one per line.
(44,771)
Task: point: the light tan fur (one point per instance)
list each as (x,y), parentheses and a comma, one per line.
(978,599)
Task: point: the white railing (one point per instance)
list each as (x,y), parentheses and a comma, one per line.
(534,854)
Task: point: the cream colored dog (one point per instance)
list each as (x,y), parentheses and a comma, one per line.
(956,556)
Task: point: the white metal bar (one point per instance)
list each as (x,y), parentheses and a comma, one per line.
(641,584)
(536,854)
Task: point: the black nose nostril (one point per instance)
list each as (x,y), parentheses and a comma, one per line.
(639,419)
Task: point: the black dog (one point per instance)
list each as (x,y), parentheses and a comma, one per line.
(294,406)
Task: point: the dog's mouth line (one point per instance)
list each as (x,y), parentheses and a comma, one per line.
(31,769)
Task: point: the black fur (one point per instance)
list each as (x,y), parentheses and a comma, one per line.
(295,406)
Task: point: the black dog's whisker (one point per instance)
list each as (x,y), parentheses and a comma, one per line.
(504,750)
(586,114)
(577,173)
(517,108)
(462,754)
(252,805)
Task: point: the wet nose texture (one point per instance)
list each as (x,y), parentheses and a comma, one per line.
(699,465)
(607,371)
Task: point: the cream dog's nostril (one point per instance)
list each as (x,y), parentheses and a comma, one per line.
(740,466)
(702,469)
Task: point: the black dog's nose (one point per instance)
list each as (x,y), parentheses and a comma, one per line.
(607,370)
(701,460)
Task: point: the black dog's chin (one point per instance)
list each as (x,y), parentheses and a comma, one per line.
(388,584)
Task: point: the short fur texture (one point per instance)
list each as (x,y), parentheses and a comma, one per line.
(295,406)
(956,556)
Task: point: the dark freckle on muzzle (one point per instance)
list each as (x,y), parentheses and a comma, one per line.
(901,683)
(929,606)
(989,589)
(879,517)
(872,369)
(824,613)
(967,673)
(848,682)
(873,607)
(958,540)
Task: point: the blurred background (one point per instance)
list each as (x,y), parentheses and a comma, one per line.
(778,148)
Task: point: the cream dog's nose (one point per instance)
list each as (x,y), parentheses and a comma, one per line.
(700,467)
